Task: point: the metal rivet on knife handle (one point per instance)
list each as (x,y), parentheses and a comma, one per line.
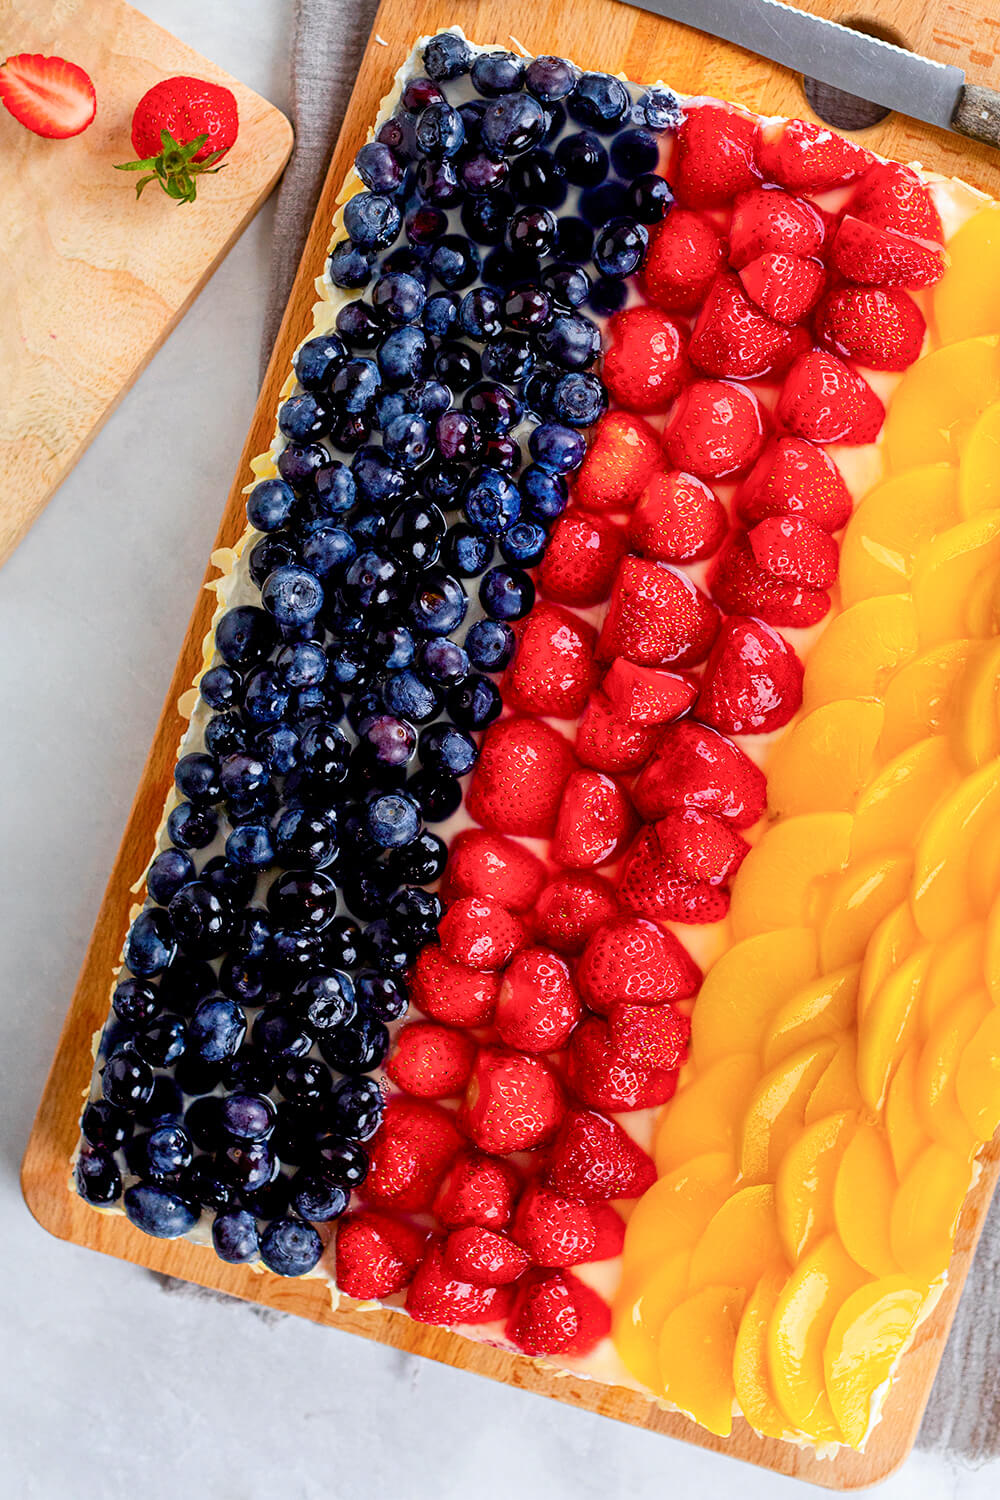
(977,114)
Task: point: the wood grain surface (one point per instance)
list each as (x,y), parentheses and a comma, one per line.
(94,280)
(596,33)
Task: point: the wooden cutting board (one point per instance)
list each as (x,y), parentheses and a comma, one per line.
(603,34)
(94,280)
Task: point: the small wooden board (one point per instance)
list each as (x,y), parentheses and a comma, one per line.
(596,33)
(94,281)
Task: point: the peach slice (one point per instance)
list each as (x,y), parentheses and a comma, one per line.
(937,401)
(894,807)
(671,1215)
(862,1200)
(917,699)
(974,727)
(967,298)
(866,1338)
(705,1114)
(941,876)
(888,1026)
(825,759)
(857,902)
(778,880)
(739,1242)
(743,989)
(889,527)
(907,1137)
(860,650)
(639,1312)
(984,869)
(805,1183)
(775,1112)
(937,1098)
(977,1078)
(991,956)
(800,1326)
(751,1380)
(925,1213)
(838,1083)
(945,574)
(821,1008)
(696,1356)
(979,469)
(957,966)
(893,940)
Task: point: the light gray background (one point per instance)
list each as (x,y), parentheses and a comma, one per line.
(110,1385)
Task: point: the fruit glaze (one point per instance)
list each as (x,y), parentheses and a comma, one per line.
(574,920)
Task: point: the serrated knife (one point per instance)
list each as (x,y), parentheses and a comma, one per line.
(862,65)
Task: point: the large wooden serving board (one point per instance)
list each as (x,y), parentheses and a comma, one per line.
(597,33)
(94,280)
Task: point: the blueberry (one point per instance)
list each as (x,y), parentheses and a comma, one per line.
(506,593)
(490,501)
(440,130)
(575,240)
(524,543)
(425,225)
(288,1247)
(568,286)
(482,174)
(430,398)
(608,201)
(304,417)
(169,871)
(349,266)
(557,449)
(271,1200)
(620,247)
(158,1211)
(441,482)
(481,313)
(269,504)
(243,980)
(348,666)
(356,384)
(571,341)
(243,777)
(598,100)
(168,1150)
(98,1179)
(234,1236)
(357,1047)
(446,56)
(265,699)
(201,919)
(272,552)
(192,827)
(225,734)
(234,885)
(393,646)
(247,1117)
(326,1000)
(495,408)
(466,551)
(531,231)
(608,294)
(484,218)
(136,1002)
(384,943)
(373,580)
(512,124)
(292,595)
(438,604)
(372,220)
(578,399)
(419,92)
(217,1029)
(151,944)
(304,899)
(249,1165)
(306,835)
(378,479)
(163,1042)
(187,981)
(392,819)
(457,365)
(397,134)
(495,73)
(508,358)
(407,439)
(527,309)
(660,108)
(105,1126)
(305,1080)
(378,168)
(204,1184)
(318,1200)
(445,748)
(244,635)
(476,702)
(537,178)
(404,355)
(440,314)
(634,152)
(650,198)
(583,159)
(360,326)
(166,1102)
(281,1032)
(443,661)
(422,861)
(454,261)
(490,645)
(550,78)
(390,406)
(399,297)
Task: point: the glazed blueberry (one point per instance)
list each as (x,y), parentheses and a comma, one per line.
(506,593)
(301,664)
(457,436)
(304,1080)
(430,398)
(304,899)
(545,493)
(443,662)
(357,1047)
(378,479)
(326,1000)
(317,360)
(445,748)
(466,551)
(292,595)
(420,862)
(481,314)
(454,261)
(251,846)
(373,580)
(127,1080)
(557,449)
(249,1165)
(372,220)
(549,78)
(348,666)
(649,198)
(163,1042)
(356,384)
(225,734)
(495,73)
(390,406)
(217,1029)
(265,698)
(247,1117)
(508,358)
(168,1150)
(438,184)
(404,355)
(575,240)
(349,266)
(456,365)
(271,552)
(495,408)
(98,1179)
(482,174)
(151,944)
(201,919)
(446,56)
(397,134)
(524,543)
(192,827)
(571,341)
(660,108)
(490,501)
(407,439)
(220,686)
(607,295)
(270,504)
(171,869)
(360,326)
(105,1126)
(378,168)
(425,225)
(288,1247)
(531,232)
(392,819)
(271,1200)
(567,286)
(393,646)
(538,178)
(438,604)
(475,703)
(281,1033)
(317,1200)
(306,835)
(598,100)
(440,131)
(441,482)
(384,943)
(513,124)
(419,92)
(415,533)
(620,247)
(598,204)
(399,297)
(158,1211)
(583,159)
(234,1236)
(304,417)
(490,645)
(484,218)
(440,314)
(578,399)
(244,635)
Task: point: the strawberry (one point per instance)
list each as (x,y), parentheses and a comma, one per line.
(696,767)
(892,196)
(881,327)
(593,1159)
(645,358)
(553,671)
(47,95)
(717,150)
(652,1036)
(581,558)
(516,786)
(595,821)
(491,866)
(685,252)
(554,1230)
(793,477)
(795,549)
(741,586)
(657,617)
(678,519)
(601,1078)
(181,129)
(481,933)
(650,885)
(571,907)
(377,1254)
(483,1256)
(753,679)
(700,845)
(628,959)
(732,338)
(647,695)
(430,1061)
(544,1319)
(783,286)
(883,257)
(450,992)
(608,742)
(437,1296)
(538,1006)
(765,220)
(512,1102)
(593,1316)
(808,158)
(410,1154)
(476,1189)
(610,1231)
(715,429)
(825,400)
(622,454)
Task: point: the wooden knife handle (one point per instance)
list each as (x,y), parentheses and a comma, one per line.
(977,114)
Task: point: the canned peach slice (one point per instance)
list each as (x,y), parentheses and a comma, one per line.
(751,1380)
(888,1026)
(889,526)
(977,1079)
(979,468)
(857,902)
(739,1242)
(957,967)
(918,698)
(860,649)
(862,1199)
(821,1008)
(671,1215)
(967,298)
(907,1137)
(898,801)
(825,759)
(696,1356)
(704,1114)
(867,1335)
(936,403)
(941,875)
(775,1113)
(805,1183)
(937,1100)
(945,575)
(639,1312)
(743,989)
(925,1213)
(778,879)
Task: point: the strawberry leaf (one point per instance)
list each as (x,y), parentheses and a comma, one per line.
(175,168)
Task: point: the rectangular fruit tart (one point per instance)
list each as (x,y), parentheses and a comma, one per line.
(576,918)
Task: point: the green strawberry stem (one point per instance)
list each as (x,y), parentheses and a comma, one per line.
(174,169)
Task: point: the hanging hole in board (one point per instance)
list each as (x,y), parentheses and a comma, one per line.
(837,107)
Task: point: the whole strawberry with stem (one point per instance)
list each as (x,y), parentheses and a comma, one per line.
(181,128)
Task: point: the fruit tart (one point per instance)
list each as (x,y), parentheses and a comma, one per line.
(575,920)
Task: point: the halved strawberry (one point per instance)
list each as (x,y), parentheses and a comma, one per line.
(694,766)
(595,821)
(553,1229)
(795,549)
(685,252)
(827,401)
(581,558)
(594,1159)
(544,1319)
(809,158)
(717,150)
(753,679)
(48,95)
(451,992)
(652,1036)
(645,358)
(630,959)
(436,1295)
(481,933)
(881,327)
(553,671)
(650,885)
(477,1189)
(874,256)
(657,617)
(601,1078)
(517,784)
(622,454)
(431,1061)
(893,197)
(484,1257)
(376,1254)
(648,695)
(765,219)
(678,519)
(783,286)
(700,845)
(410,1154)
(488,865)
(794,477)
(741,586)
(538,1005)
(732,338)
(609,742)
(716,429)
(571,907)
(512,1102)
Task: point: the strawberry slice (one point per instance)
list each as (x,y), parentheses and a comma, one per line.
(48,95)
(646,695)
(553,671)
(793,477)
(753,679)
(881,327)
(437,1296)
(544,1319)
(553,1229)
(483,1257)
(512,1102)
(651,886)
(685,252)
(717,148)
(696,767)
(657,617)
(538,1005)
(875,256)
(477,1189)
(766,220)
(716,429)
(481,933)
(629,959)
(581,559)
(571,907)
(489,865)
(892,196)
(700,845)
(595,821)
(795,549)
(622,454)
(607,741)
(785,287)
(377,1254)
(809,158)
(517,784)
(450,992)
(431,1061)
(741,586)
(410,1154)
(678,519)
(645,358)
(601,1078)
(732,337)
(652,1036)
(594,1159)
(825,400)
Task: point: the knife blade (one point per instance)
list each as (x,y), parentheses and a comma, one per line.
(863,65)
